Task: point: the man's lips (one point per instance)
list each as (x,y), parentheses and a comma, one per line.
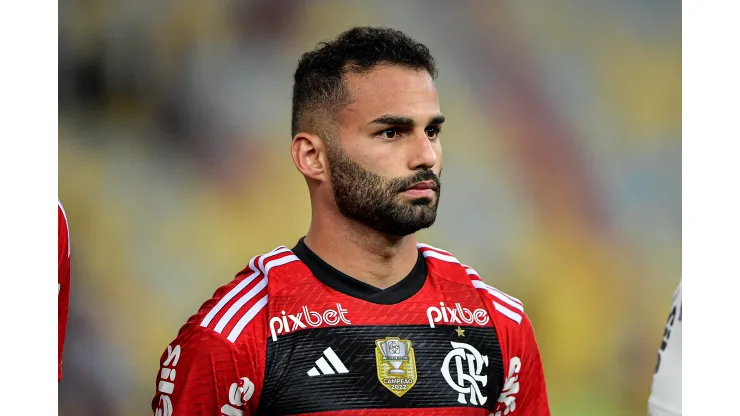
(424,185)
(424,189)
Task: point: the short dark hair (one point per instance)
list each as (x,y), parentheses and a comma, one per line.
(318,79)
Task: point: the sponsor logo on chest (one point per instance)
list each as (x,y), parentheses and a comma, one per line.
(288,323)
(456,315)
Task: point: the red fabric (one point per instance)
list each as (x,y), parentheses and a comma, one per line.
(524,392)
(64,281)
(201,373)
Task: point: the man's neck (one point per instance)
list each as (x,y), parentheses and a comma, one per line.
(362,252)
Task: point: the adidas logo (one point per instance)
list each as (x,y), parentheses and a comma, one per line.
(323,367)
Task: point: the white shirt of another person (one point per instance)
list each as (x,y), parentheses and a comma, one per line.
(665,397)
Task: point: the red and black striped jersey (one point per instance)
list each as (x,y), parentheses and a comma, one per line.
(64,279)
(290,335)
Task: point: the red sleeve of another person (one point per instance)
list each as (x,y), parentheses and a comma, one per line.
(64,281)
(524,392)
(201,373)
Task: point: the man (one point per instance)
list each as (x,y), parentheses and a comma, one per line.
(665,397)
(358,318)
(63,280)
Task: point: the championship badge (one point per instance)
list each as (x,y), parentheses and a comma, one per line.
(396,364)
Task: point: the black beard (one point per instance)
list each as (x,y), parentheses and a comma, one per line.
(374,201)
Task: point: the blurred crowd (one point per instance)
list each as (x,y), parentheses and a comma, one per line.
(562,181)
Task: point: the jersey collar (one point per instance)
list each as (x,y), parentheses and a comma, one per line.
(350,286)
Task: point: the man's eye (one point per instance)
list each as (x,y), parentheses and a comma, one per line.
(433,132)
(389,133)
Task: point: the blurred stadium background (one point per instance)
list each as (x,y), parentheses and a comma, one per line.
(562,180)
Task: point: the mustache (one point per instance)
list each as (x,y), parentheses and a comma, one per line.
(423,175)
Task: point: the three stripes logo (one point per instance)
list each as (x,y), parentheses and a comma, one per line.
(328,364)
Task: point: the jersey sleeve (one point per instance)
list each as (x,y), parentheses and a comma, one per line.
(63,285)
(524,392)
(202,373)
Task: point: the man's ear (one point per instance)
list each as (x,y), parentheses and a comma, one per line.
(309,156)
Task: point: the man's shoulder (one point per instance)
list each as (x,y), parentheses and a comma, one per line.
(63,225)
(444,265)
(505,310)
(60,210)
(237,311)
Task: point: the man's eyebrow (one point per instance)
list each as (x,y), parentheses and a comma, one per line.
(403,121)
(439,119)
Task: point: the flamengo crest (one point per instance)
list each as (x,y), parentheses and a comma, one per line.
(468,373)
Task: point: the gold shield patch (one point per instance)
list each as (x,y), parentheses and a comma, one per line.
(396,364)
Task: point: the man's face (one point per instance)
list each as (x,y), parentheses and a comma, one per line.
(386,163)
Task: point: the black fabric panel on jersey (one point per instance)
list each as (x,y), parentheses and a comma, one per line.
(290,389)
(350,286)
